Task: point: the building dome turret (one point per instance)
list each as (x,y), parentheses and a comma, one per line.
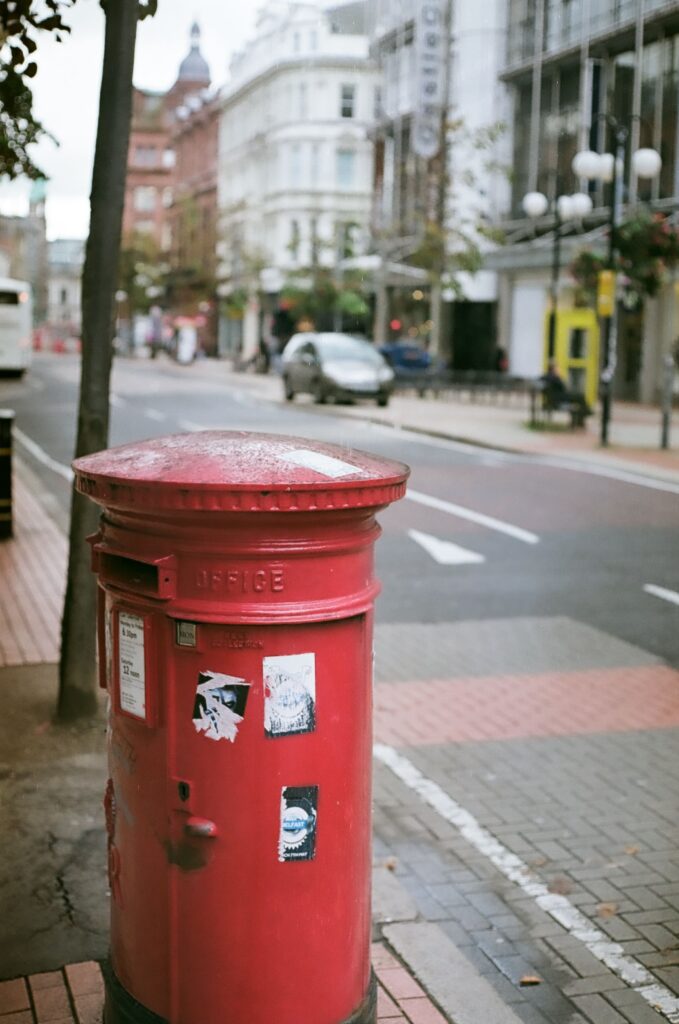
(194,67)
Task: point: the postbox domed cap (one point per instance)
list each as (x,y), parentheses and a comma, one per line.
(238,471)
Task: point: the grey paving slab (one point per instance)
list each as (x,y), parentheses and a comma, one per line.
(464,995)
(405,651)
(390,899)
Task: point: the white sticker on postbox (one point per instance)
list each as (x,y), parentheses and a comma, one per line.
(132,668)
(325,464)
(289,694)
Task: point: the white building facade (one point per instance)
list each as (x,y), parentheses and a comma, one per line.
(65,258)
(295,156)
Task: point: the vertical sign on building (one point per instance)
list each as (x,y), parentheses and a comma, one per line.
(431,54)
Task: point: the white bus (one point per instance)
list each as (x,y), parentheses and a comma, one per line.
(16,326)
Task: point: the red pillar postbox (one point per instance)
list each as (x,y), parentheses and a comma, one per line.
(236,589)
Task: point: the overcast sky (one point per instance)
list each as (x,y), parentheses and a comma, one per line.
(66,91)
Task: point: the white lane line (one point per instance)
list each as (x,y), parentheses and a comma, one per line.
(116,401)
(155,414)
(624,476)
(612,954)
(41,455)
(444,551)
(667,595)
(190,425)
(498,455)
(474,517)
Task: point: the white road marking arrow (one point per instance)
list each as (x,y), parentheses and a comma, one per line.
(444,551)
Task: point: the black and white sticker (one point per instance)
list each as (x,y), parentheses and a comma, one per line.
(219,705)
(299,808)
(289,694)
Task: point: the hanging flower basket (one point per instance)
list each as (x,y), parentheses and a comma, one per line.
(646,247)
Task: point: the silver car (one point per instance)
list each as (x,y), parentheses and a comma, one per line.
(337,366)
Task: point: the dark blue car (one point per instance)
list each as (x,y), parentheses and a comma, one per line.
(406,358)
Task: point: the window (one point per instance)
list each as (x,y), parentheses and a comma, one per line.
(145,156)
(315,149)
(347,238)
(145,198)
(152,103)
(169,158)
(296,42)
(313,40)
(295,165)
(347,98)
(293,244)
(314,241)
(302,97)
(345,168)
(63,296)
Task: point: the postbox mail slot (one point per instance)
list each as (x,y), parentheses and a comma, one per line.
(157,578)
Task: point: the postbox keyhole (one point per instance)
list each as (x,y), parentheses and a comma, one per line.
(184,791)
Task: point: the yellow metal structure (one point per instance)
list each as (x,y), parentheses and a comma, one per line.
(605,298)
(576,350)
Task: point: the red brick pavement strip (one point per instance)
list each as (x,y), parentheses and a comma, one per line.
(75,995)
(32,562)
(521,706)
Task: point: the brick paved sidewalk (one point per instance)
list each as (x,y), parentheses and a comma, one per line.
(76,993)
(573,771)
(33,573)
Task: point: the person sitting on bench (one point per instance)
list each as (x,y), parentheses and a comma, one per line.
(557,396)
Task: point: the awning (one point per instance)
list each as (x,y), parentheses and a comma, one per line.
(396,273)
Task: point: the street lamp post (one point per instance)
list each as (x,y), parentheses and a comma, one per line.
(566,208)
(609,168)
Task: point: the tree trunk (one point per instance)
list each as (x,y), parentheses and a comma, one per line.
(77,676)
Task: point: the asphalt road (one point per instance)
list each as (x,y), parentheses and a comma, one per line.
(536,540)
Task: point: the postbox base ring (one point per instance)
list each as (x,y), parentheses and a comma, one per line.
(122,1008)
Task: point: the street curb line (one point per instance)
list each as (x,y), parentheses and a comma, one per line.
(612,954)
(452,981)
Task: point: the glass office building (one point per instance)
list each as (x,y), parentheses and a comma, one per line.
(571,66)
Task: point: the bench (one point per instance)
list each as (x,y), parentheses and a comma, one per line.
(544,404)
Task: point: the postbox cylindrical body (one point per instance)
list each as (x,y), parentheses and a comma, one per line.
(236,589)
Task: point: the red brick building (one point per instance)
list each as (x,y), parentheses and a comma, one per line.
(193,213)
(170,216)
(151,161)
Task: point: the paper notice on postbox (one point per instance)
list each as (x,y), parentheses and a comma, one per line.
(131,664)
